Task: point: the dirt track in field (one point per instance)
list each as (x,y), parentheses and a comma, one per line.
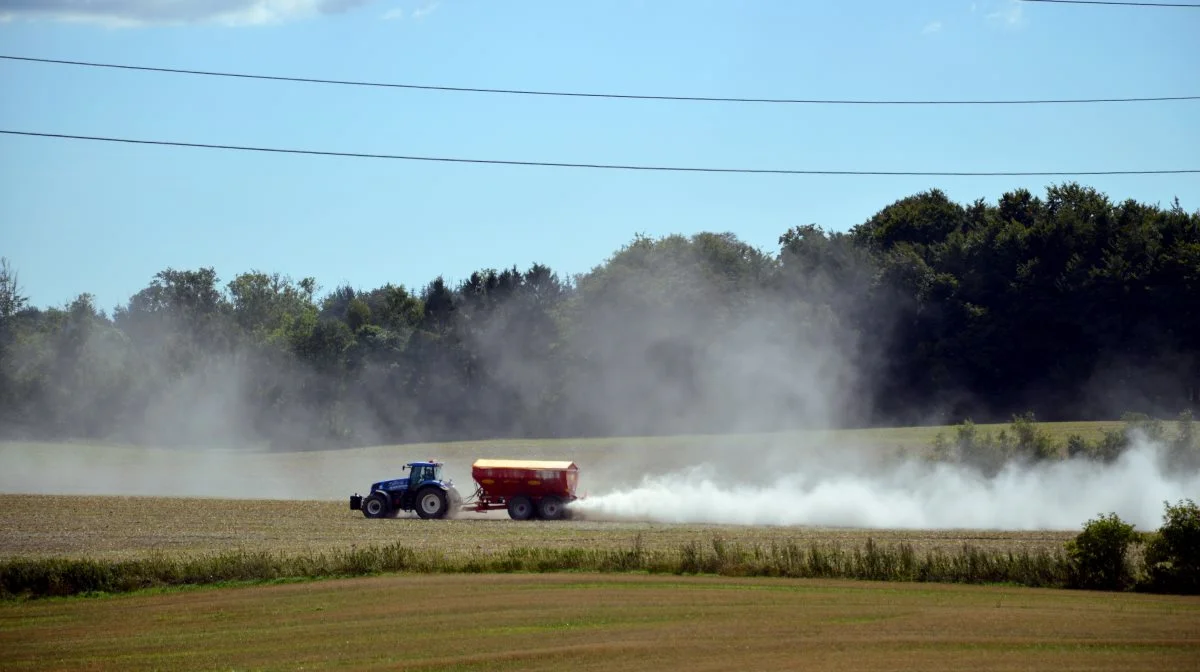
(582,623)
(117,527)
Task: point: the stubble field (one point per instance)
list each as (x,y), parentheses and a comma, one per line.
(115,528)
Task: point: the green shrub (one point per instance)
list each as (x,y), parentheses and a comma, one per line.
(1099,555)
(1032,441)
(982,450)
(1114,443)
(1078,447)
(1185,448)
(1173,554)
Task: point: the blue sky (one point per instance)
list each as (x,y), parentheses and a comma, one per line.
(101,218)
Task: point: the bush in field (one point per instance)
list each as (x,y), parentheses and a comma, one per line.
(1022,439)
(1078,447)
(1031,441)
(1173,553)
(1099,555)
(1185,447)
(1150,427)
(979,449)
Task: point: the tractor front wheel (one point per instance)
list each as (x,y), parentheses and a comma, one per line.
(375,506)
(431,503)
(520,508)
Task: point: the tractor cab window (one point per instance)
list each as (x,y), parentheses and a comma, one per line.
(425,473)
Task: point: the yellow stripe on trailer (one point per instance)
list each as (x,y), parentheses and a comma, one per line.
(541,465)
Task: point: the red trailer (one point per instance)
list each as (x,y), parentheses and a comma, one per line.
(525,487)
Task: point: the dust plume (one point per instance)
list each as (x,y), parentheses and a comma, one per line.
(911,494)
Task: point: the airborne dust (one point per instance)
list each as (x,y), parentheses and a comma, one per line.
(911,494)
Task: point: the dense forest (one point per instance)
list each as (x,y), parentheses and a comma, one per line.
(1070,305)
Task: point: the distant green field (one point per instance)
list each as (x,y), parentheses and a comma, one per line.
(105,469)
(877,438)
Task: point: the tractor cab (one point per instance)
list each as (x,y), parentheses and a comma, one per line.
(421,472)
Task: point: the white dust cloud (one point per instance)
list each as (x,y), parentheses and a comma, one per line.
(913,495)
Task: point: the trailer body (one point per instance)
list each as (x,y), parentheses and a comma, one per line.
(526,488)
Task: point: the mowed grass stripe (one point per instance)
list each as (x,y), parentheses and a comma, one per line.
(598,622)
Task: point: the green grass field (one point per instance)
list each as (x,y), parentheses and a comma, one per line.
(581,622)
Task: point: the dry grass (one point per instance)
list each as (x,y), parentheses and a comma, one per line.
(602,622)
(125,527)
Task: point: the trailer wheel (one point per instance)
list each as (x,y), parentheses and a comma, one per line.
(550,508)
(520,508)
(431,503)
(375,506)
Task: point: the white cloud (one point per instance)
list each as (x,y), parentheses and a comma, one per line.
(1009,13)
(173,12)
(932,27)
(425,11)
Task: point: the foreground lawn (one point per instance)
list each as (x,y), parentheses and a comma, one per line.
(579,622)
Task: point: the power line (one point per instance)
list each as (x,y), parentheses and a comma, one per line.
(576,94)
(551,164)
(1125,4)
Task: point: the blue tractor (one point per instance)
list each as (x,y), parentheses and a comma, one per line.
(423,490)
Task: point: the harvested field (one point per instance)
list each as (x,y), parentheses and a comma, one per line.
(123,527)
(602,622)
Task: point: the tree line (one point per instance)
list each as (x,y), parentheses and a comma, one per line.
(1069,303)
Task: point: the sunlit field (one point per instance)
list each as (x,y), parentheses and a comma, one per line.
(583,622)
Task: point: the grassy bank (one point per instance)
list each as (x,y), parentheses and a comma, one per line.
(46,577)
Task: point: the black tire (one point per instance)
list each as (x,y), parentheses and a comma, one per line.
(550,508)
(454,501)
(520,508)
(431,503)
(376,506)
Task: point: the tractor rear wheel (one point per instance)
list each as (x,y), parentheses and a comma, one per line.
(520,508)
(431,503)
(550,508)
(375,506)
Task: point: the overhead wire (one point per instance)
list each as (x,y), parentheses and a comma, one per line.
(579,94)
(1186,5)
(555,164)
